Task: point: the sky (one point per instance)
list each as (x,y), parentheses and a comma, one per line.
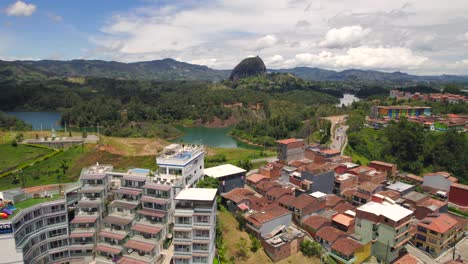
(413,36)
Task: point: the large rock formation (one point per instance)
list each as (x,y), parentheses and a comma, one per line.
(248,67)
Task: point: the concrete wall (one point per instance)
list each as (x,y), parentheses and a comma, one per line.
(321,182)
(269,226)
(8,252)
(228,183)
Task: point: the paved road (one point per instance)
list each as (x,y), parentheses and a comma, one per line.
(339,138)
(460,251)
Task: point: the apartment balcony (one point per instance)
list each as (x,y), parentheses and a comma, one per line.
(108,254)
(112,237)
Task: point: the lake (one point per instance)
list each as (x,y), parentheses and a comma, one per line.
(212,137)
(347,100)
(47,120)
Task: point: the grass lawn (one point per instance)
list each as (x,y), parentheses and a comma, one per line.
(31,202)
(232,235)
(233,155)
(13,156)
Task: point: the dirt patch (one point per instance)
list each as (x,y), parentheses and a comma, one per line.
(133,146)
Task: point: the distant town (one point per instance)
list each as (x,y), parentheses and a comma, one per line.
(310,196)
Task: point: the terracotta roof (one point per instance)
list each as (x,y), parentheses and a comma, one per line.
(361,169)
(316,221)
(277,192)
(330,151)
(83,219)
(112,235)
(343,219)
(459,185)
(77,234)
(332,200)
(238,194)
(295,163)
(343,207)
(134,178)
(88,204)
(123,205)
(432,204)
(91,189)
(408,259)
(303,201)
(153,213)
(414,177)
(150,199)
(266,216)
(362,195)
(369,186)
(330,234)
(378,162)
(256,177)
(146,229)
(285,199)
(349,192)
(346,246)
(262,204)
(117,220)
(394,195)
(128,191)
(127,260)
(108,249)
(440,224)
(287,141)
(139,246)
(266,185)
(155,186)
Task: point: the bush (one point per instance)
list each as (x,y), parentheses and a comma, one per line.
(310,248)
(14,143)
(254,243)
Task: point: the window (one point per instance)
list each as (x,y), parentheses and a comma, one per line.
(55,233)
(181,248)
(39,224)
(181,261)
(56,244)
(183,220)
(202,219)
(200,246)
(182,234)
(202,233)
(200,259)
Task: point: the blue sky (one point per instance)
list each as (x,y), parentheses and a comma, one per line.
(422,37)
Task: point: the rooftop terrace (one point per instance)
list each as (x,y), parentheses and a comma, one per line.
(29,203)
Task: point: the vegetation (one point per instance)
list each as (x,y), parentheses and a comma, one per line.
(208,182)
(13,123)
(413,148)
(254,243)
(311,248)
(14,156)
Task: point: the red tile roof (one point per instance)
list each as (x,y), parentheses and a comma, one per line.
(139,245)
(266,185)
(343,207)
(286,199)
(316,221)
(459,185)
(332,200)
(408,259)
(277,192)
(440,224)
(155,186)
(127,260)
(369,186)
(146,229)
(153,213)
(238,194)
(287,141)
(378,162)
(394,195)
(360,169)
(414,177)
(330,234)
(75,234)
(343,219)
(432,204)
(266,216)
(112,235)
(295,163)
(84,219)
(108,249)
(256,177)
(330,151)
(150,199)
(129,191)
(346,246)
(117,220)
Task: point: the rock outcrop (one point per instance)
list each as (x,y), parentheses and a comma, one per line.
(248,67)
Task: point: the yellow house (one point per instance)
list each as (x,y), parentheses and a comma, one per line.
(349,251)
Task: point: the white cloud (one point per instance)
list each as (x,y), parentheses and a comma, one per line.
(20,8)
(345,36)
(266,42)
(395,58)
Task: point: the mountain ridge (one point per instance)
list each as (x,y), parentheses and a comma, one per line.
(171,69)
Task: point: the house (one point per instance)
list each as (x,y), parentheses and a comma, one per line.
(436,233)
(347,250)
(327,235)
(344,181)
(408,259)
(411,199)
(438,181)
(343,222)
(277,192)
(386,224)
(394,195)
(264,186)
(458,196)
(228,176)
(239,199)
(414,179)
(343,207)
(321,176)
(272,170)
(362,193)
(315,222)
(264,222)
(368,174)
(401,187)
(305,205)
(321,154)
(344,167)
(390,168)
(429,206)
(290,149)
(254,179)
(284,243)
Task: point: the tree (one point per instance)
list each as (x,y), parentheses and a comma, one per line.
(14,143)
(19,137)
(208,182)
(254,243)
(311,248)
(242,248)
(245,164)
